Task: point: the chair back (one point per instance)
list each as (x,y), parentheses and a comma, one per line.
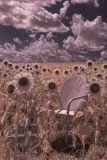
(74,86)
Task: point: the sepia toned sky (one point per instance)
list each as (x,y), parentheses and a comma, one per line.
(53,30)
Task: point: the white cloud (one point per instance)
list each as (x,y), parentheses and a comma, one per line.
(86,1)
(49,35)
(38,51)
(31,15)
(88,35)
(103,54)
(63,10)
(17,40)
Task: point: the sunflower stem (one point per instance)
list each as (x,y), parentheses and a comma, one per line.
(16,131)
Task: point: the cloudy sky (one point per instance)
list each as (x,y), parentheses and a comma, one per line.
(53,30)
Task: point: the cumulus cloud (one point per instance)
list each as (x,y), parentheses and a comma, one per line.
(17,40)
(104,55)
(31,15)
(38,51)
(49,35)
(88,35)
(86,1)
(63,10)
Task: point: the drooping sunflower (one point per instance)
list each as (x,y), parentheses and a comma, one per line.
(95,88)
(52,85)
(23,82)
(11,89)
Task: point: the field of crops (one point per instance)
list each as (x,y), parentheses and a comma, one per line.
(21,83)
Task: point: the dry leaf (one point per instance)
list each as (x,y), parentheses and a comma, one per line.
(78,114)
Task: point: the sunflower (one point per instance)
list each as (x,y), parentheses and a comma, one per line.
(36,65)
(93,79)
(5,62)
(27,68)
(31,68)
(96,88)
(24,82)
(95,69)
(75,68)
(27,65)
(20,70)
(57,71)
(16,67)
(83,68)
(99,75)
(10,65)
(23,67)
(52,86)
(37,72)
(5,75)
(104,66)
(44,69)
(10,89)
(105,77)
(90,63)
(66,72)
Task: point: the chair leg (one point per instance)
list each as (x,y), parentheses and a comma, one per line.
(66,133)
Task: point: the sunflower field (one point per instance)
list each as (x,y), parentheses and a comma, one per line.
(29,96)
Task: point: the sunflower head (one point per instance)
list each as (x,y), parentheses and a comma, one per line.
(23,67)
(24,82)
(27,65)
(4,75)
(90,63)
(95,68)
(52,86)
(75,67)
(16,66)
(5,62)
(99,75)
(10,88)
(57,71)
(36,66)
(105,66)
(95,88)
(10,65)
(106,77)
(44,69)
(66,72)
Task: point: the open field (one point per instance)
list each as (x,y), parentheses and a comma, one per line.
(51,127)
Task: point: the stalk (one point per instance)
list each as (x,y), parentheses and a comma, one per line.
(16,131)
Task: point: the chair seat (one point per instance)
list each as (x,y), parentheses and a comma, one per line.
(64,112)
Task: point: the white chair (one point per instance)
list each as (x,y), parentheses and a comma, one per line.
(72,90)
